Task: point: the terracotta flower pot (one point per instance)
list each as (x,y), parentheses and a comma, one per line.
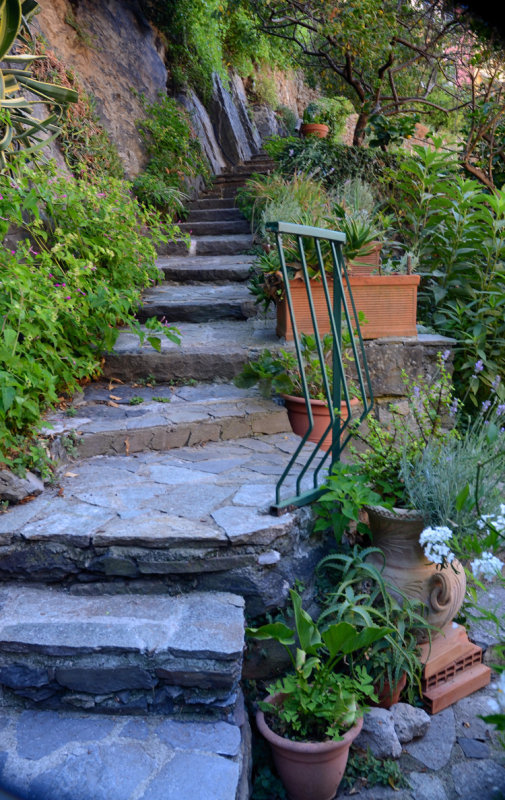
(396,533)
(298,417)
(389,696)
(314,129)
(389,303)
(309,770)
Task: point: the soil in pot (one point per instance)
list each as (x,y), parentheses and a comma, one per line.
(309,770)
(298,417)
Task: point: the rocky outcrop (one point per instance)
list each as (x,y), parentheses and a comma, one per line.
(232,126)
(113,49)
(202,127)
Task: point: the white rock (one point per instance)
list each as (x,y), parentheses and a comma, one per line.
(378,733)
(409,722)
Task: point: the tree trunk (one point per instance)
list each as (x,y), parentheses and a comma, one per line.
(359,130)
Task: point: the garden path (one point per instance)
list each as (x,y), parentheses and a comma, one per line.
(124,588)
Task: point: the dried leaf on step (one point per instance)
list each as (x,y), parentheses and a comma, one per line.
(61,493)
(111,403)
(114,397)
(71,474)
(127,446)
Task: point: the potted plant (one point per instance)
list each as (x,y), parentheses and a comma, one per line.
(314,122)
(355,591)
(313,714)
(280,373)
(325,117)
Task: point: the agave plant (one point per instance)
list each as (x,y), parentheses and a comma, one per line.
(19,128)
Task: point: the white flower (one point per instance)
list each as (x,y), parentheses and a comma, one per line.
(498,705)
(497,521)
(488,566)
(434,543)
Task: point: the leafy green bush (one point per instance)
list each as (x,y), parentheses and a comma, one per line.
(75,276)
(174,153)
(331,163)
(458,233)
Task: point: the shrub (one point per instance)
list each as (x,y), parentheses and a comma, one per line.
(175,155)
(458,233)
(76,275)
(331,163)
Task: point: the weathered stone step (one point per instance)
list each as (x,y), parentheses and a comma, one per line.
(155,653)
(206,268)
(260,165)
(51,755)
(196,302)
(193,518)
(231,244)
(121,418)
(215,227)
(208,351)
(210,203)
(215,214)
(223,190)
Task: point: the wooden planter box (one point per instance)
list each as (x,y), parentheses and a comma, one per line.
(389,303)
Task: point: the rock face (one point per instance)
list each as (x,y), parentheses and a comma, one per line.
(233,129)
(204,130)
(113,49)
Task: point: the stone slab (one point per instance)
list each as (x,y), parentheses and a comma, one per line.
(434,749)
(71,756)
(57,623)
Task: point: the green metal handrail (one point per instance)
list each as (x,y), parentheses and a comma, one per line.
(341,430)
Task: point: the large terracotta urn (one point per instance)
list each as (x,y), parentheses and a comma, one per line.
(396,532)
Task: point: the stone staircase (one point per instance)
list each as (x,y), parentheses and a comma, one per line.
(124,588)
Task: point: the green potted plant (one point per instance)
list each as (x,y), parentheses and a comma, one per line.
(279,373)
(326,117)
(313,714)
(354,590)
(314,122)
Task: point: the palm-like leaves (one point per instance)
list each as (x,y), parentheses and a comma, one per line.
(19,129)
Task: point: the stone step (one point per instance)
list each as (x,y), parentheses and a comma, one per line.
(212,227)
(133,653)
(232,244)
(190,519)
(208,351)
(215,214)
(206,268)
(223,191)
(61,755)
(210,203)
(197,302)
(110,420)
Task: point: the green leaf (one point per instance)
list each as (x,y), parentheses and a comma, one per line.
(274,630)
(462,497)
(308,634)
(155,342)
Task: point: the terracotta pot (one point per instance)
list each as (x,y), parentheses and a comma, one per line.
(299,420)
(314,129)
(389,696)
(309,770)
(366,264)
(389,303)
(396,533)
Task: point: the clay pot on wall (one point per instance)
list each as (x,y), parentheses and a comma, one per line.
(314,129)
(309,770)
(366,264)
(299,419)
(396,532)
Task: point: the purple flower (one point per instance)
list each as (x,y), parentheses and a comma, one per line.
(417,391)
(500,409)
(479,366)
(67,298)
(486,404)
(445,355)
(13,252)
(453,410)
(291,152)
(496,382)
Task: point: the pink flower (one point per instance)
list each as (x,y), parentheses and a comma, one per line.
(101,194)
(67,298)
